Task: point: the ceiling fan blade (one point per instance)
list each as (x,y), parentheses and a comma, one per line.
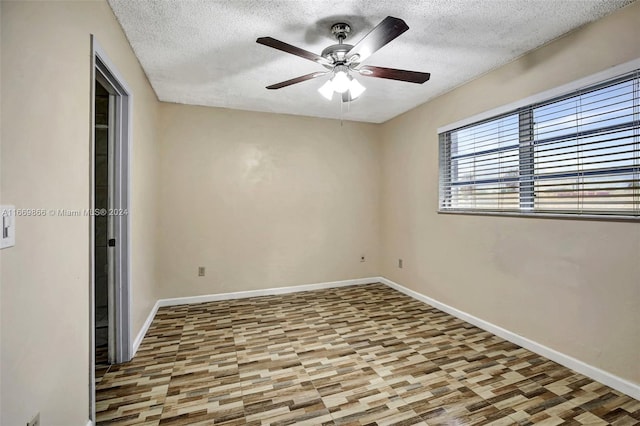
(383,33)
(281,45)
(394,74)
(296,80)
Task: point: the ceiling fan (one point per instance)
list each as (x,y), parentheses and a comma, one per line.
(341,60)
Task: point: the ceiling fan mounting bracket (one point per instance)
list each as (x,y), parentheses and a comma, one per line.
(340,31)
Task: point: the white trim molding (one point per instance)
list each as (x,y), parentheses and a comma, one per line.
(144,329)
(265,292)
(617,383)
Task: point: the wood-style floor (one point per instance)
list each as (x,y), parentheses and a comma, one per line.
(360,355)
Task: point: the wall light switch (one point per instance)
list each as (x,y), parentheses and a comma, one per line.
(8,229)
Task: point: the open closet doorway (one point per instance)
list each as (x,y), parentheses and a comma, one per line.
(110,331)
(103,230)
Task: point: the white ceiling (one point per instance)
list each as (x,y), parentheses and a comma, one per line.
(203,52)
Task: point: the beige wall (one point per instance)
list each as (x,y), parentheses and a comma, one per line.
(571,285)
(265,200)
(46,164)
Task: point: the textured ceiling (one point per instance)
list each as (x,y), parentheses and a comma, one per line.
(203,52)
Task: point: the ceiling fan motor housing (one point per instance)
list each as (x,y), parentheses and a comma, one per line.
(336,53)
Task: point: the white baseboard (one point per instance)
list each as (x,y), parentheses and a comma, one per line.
(265,292)
(241,295)
(145,328)
(89,423)
(618,383)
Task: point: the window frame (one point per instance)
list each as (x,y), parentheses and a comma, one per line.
(525,108)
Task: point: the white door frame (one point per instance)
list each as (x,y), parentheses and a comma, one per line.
(104,70)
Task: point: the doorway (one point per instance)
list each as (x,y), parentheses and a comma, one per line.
(110,327)
(103,230)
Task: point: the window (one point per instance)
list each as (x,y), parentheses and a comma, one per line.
(578,154)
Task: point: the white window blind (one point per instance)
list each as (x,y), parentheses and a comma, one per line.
(578,154)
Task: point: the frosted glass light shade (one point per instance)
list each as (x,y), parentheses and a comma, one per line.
(327,90)
(341,80)
(356,89)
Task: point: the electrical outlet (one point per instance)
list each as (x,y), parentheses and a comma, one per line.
(35,421)
(400,263)
(201,271)
(362,259)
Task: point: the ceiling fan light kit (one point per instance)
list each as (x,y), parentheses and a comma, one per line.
(352,86)
(342,59)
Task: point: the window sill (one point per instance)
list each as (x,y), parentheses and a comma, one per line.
(600,218)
